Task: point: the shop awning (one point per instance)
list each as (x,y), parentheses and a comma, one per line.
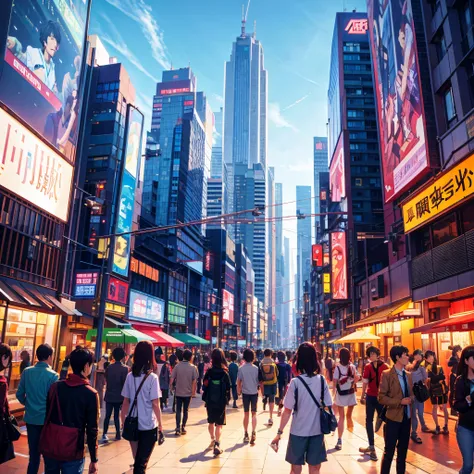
(63,309)
(457,322)
(161,338)
(190,339)
(425,328)
(120,335)
(358,336)
(385,313)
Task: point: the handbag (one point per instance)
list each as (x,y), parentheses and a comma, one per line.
(11,427)
(327,418)
(421,392)
(57,441)
(130,425)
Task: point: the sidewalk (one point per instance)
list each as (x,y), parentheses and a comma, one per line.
(188,454)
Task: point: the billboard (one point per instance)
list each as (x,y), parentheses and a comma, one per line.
(338,266)
(398,94)
(117,291)
(134,138)
(86,284)
(41,76)
(32,170)
(227,307)
(317,251)
(146,308)
(337,175)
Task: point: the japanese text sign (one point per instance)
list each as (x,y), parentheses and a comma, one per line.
(86,284)
(117,291)
(451,188)
(317,251)
(357,27)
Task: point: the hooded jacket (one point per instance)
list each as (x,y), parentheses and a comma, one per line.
(79,404)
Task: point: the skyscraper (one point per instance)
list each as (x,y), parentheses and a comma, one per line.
(321,164)
(287,329)
(279,261)
(271,255)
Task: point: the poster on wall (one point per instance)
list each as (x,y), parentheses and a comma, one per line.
(41,78)
(117,291)
(227,307)
(337,177)
(338,266)
(398,95)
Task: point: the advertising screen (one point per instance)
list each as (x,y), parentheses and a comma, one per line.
(338,266)
(117,291)
(86,284)
(41,77)
(32,170)
(317,251)
(337,178)
(132,153)
(146,308)
(227,307)
(398,94)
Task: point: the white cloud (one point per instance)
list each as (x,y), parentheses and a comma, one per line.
(296,102)
(275,117)
(301,166)
(218,98)
(142,13)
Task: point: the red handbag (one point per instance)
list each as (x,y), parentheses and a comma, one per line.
(59,442)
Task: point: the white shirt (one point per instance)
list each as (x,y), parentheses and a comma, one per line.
(35,62)
(149,392)
(306,421)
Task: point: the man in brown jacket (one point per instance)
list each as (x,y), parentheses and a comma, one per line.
(396,394)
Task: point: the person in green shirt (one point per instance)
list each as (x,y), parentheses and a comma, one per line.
(32,392)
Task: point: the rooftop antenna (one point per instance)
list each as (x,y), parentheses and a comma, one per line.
(244,18)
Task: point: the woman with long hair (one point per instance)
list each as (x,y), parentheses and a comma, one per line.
(453,363)
(438,391)
(142,383)
(464,388)
(216,394)
(6,445)
(344,391)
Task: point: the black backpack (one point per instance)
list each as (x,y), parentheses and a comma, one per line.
(216,391)
(420,391)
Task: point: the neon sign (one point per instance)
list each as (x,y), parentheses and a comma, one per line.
(181,90)
(357,27)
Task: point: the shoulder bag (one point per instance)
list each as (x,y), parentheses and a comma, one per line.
(348,391)
(130,426)
(327,418)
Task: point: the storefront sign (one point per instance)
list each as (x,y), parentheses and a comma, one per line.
(146,308)
(448,190)
(115,308)
(339,265)
(117,291)
(317,251)
(357,27)
(86,284)
(32,170)
(137,266)
(326,283)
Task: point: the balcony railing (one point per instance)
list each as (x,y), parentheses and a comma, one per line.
(446,260)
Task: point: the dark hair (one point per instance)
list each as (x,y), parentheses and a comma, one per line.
(307,360)
(48,29)
(371,350)
(5,351)
(397,351)
(206,359)
(79,358)
(249,355)
(218,358)
(179,354)
(289,355)
(281,356)
(118,354)
(455,350)
(463,369)
(187,355)
(143,358)
(25,353)
(344,356)
(267,352)
(43,352)
(233,356)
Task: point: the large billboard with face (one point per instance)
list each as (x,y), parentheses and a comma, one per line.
(227,307)
(337,176)
(41,77)
(398,94)
(339,266)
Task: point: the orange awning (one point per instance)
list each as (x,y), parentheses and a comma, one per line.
(162,339)
(457,322)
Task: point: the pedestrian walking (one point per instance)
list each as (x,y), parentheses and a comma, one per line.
(306,442)
(248,382)
(233,370)
(7,451)
(438,391)
(418,374)
(329,366)
(344,388)
(216,395)
(284,377)
(100,378)
(395,393)
(143,389)
(453,363)
(464,390)
(164,375)
(269,380)
(32,392)
(184,377)
(198,362)
(370,390)
(115,376)
(174,360)
(72,410)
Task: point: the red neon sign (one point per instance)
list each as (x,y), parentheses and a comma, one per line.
(317,255)
(357,27)
(174,91)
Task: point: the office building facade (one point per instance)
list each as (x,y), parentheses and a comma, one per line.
(321,164)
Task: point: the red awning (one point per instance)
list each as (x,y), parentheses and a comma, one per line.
(457,322)
(162,339)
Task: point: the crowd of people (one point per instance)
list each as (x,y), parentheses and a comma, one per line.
(62,411)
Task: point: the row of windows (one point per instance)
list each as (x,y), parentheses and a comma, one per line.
(357,67)
(108,86)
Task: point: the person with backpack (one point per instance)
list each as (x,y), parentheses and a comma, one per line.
(248,382)
(284,377)
(269,381)
(307,395)
(438,391)
(370,390)
(344,388)
(233,371)
(175,359)
(464,390)
(453,363)
(216,395)
(164,376)
(72,413)
(419,377)
(7,451)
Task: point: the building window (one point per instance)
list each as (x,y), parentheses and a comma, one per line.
(358,181)
(441,47)
(467,217)
(449,105)
(445,230)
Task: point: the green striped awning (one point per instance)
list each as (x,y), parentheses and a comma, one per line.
(117,335)
(190,339)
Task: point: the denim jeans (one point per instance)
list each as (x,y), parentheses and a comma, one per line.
(371,406)
(115,407)
(184,403)
(34,433)
(465,439)
(418,411)
(146,444)
(51,466)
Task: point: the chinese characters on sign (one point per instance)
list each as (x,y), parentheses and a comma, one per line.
(86,284)
(357,27)
(137,266)
(455,185)
(174,91)
(317,251)
(117,291)
(339,265)
(326,283)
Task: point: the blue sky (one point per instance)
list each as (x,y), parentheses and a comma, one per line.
(150,35)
